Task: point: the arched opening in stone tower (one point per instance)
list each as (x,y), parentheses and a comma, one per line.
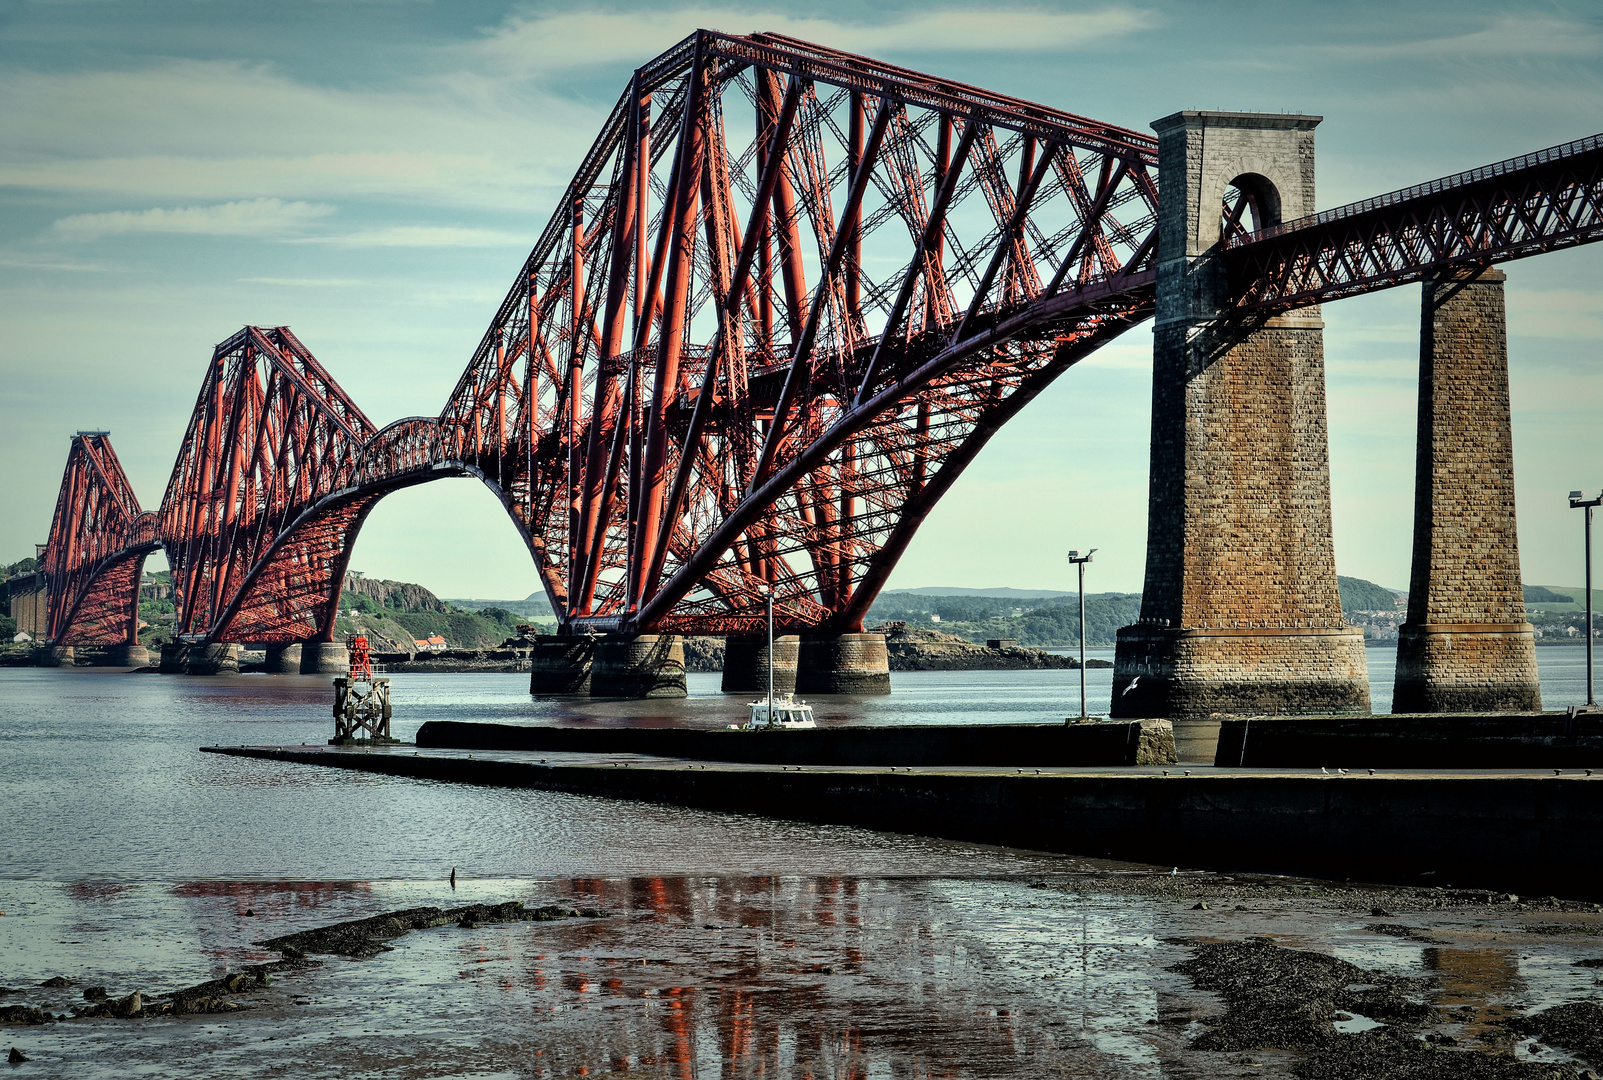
(1251,202)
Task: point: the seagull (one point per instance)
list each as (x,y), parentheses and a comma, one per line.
(1324,770)
(1188,772)
(1342,771)
(1131,687)
(1173,872)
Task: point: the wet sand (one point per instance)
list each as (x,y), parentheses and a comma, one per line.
(1118,972)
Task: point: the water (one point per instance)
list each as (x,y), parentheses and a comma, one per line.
(102,779)
(742,946)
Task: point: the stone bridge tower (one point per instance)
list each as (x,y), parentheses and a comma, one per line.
(1240,611)
(1466,646)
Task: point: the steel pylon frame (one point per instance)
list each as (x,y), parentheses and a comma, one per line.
(789,295)
(96,551)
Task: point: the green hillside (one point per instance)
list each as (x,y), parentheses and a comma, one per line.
(1360,595)
(1035,622)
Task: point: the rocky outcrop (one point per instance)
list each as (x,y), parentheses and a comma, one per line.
(395,595)
(915,649)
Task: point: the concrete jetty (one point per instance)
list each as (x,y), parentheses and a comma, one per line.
(1136,742)
(1524,831)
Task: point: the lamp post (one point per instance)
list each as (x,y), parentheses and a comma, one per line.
(768,597)
(1080,560)
(1579,501)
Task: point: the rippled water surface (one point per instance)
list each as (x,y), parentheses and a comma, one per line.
(739,946)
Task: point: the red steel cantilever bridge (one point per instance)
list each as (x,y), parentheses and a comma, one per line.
(788,296)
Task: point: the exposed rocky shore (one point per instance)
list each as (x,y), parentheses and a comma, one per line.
(357,939)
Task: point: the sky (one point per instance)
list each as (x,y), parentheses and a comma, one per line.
(372,174)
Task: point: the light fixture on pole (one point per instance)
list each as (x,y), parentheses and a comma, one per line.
(1080,560)
(768,596)
(1579,501)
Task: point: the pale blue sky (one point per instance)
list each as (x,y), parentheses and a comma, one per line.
(373,173)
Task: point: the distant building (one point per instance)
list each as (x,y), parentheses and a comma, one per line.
(433,642)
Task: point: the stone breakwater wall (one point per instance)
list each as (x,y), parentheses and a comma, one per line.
(1528,833)
(1417,741)
(1147,742)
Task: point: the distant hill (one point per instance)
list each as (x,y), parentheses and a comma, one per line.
(1006,594)
(1541,594)
(1360,595)
(978,615)
(394,614)
(533,606)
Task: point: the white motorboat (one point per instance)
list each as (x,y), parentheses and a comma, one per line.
(784,714)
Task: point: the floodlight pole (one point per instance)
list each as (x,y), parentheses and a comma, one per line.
(1080,560)
(768,596)
(1581,502)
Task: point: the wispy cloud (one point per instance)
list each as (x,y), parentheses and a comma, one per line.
(24,261)
(250,217)
(586,38)
(219,130)
(1524,37)
(308,283)
(425,236)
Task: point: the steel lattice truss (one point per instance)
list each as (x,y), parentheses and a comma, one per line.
(98,542)
(788,296)
(1524,206)
(252,539)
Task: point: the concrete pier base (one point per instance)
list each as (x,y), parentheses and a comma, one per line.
(175,658)
(746,664)
(57,656)
(1201,673)
(843,664)
(639,666)
(325,658)
(128,656)
(283,659)
(217,658)
(561,665)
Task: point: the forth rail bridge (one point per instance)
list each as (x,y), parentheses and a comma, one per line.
(788,296)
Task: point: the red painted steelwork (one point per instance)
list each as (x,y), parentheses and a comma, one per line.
(813,356)
(1523,206)
(787,297)
(96,552)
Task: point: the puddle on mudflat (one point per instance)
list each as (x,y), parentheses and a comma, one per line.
(737,976)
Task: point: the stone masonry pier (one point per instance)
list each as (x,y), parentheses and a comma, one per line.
(1466,646)
(1240,609)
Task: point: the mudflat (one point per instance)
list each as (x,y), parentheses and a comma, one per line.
(1116,971)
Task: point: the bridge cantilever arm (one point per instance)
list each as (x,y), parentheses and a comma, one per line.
(1133,288)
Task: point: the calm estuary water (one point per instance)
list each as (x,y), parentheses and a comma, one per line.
(738,947)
